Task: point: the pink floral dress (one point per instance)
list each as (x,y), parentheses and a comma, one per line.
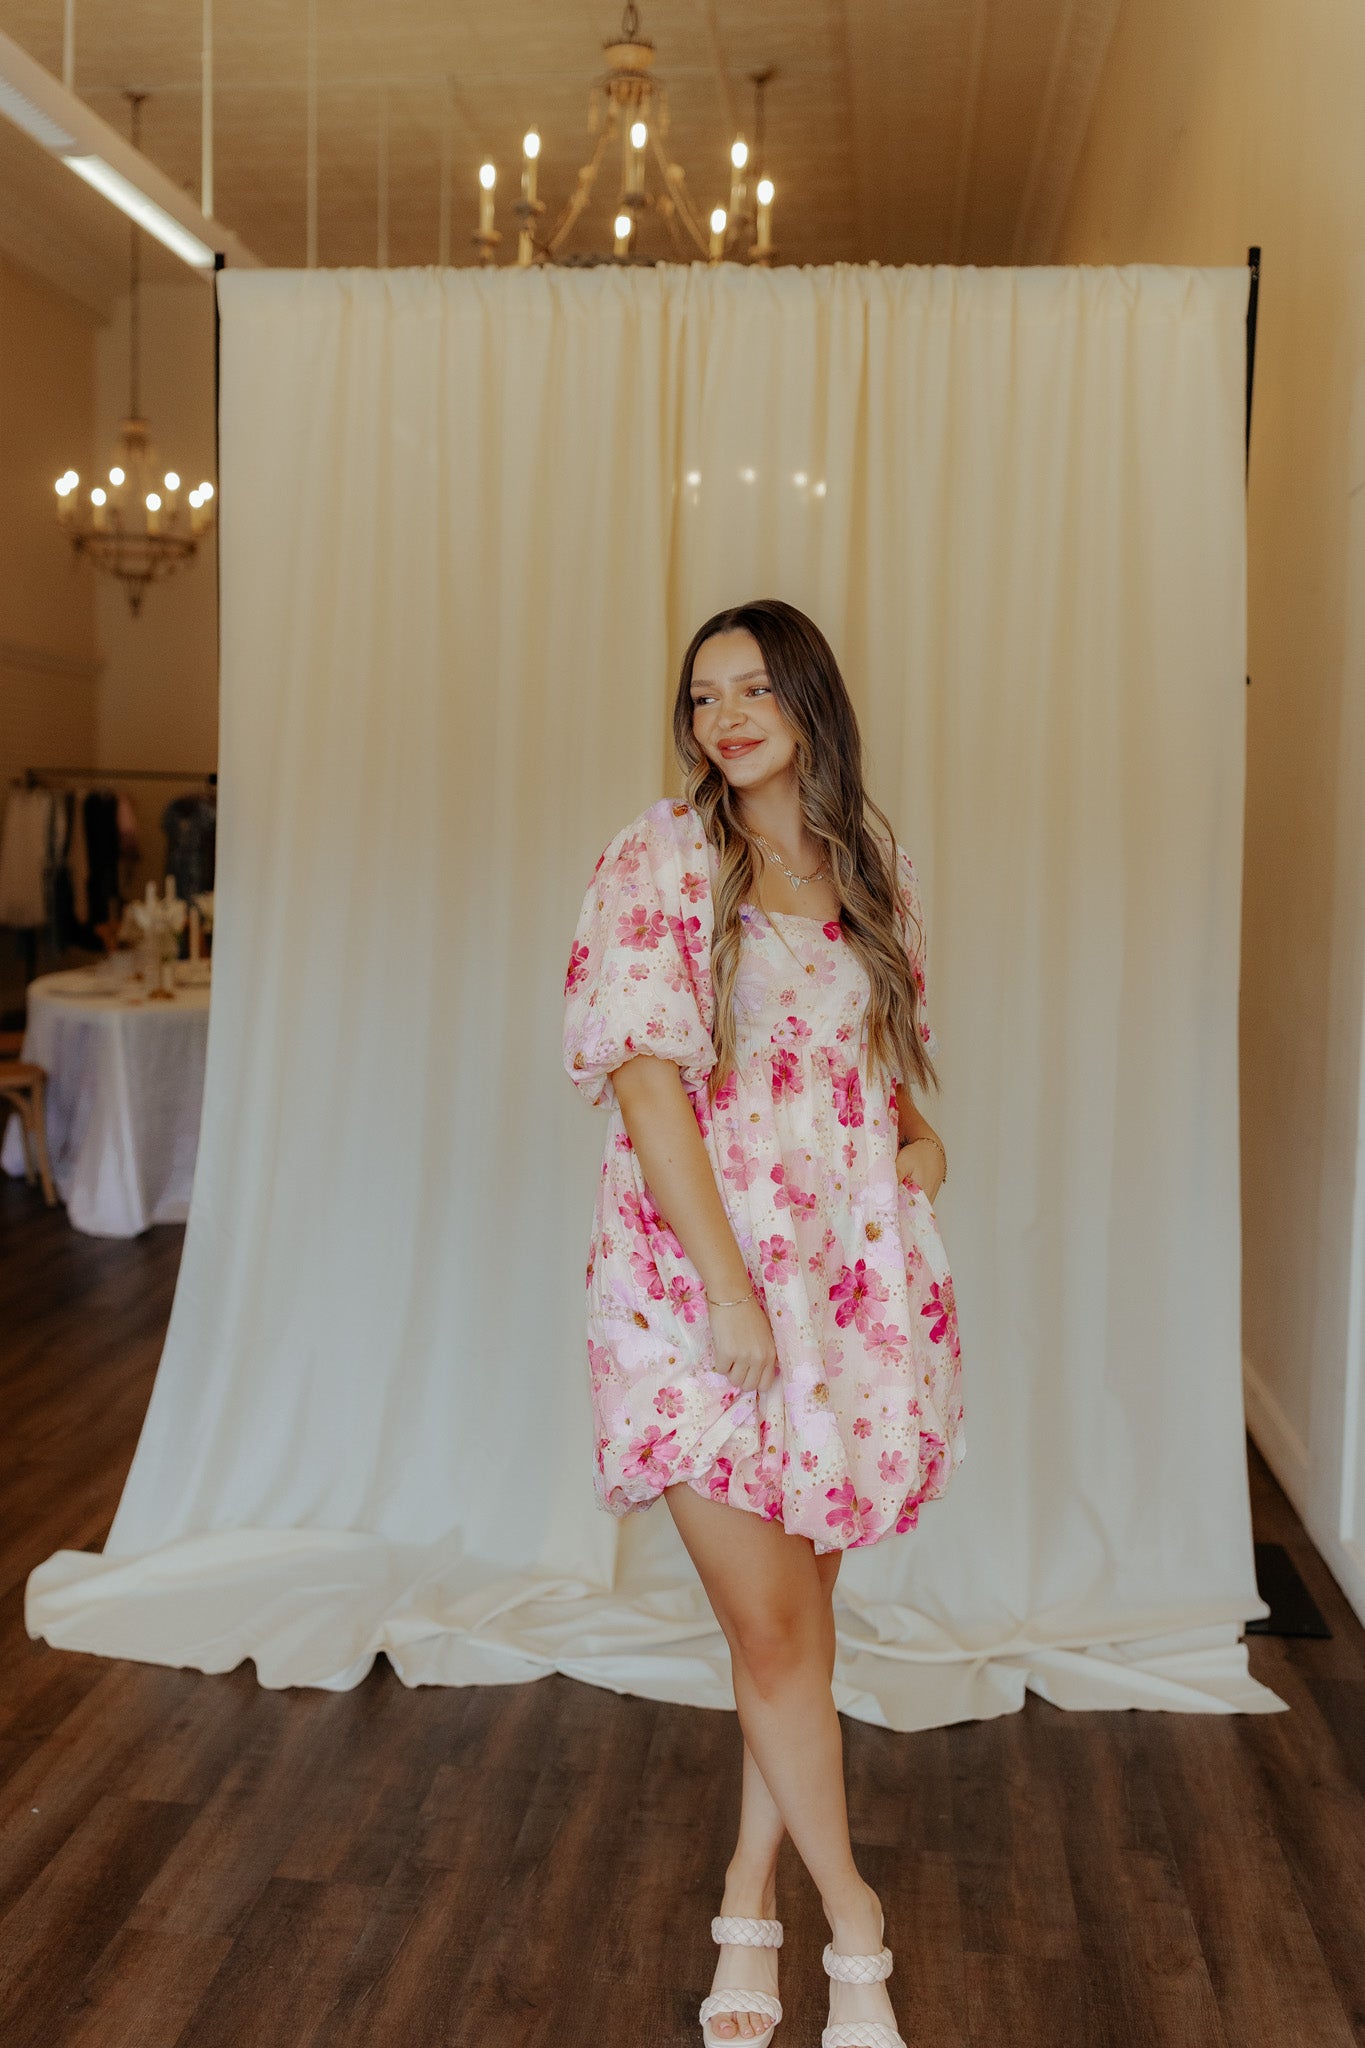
(864,1421)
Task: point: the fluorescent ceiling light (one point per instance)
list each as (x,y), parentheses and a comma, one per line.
(143,210)
(44,109)
(21,110)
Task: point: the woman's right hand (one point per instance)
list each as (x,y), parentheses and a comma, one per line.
(744,1347)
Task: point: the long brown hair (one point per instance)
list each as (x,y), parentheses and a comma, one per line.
(834,804)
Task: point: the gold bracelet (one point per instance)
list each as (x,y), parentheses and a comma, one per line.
(750,1296)
(929,1139)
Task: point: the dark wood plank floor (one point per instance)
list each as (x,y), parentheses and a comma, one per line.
(193,1862)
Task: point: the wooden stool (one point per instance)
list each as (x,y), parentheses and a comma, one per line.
(21,1088)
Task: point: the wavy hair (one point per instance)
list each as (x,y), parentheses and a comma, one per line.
(815,702)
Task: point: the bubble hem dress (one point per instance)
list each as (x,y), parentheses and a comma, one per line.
(864,1421)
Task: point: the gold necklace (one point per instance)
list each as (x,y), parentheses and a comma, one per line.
(797,881)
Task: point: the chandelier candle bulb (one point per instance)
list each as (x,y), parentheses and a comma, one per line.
(739,157)
(717,233)
(635,158)
(765,213)
(487,179)
(530,149)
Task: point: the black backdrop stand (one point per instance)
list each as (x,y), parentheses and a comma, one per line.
(1254,265)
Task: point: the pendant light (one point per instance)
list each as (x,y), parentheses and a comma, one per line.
(138,524)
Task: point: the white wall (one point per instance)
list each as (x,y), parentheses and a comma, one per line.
(1216,127)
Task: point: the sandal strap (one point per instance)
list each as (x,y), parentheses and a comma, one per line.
(730,1999)
(746,1933)
(856,1970)
(860,2034)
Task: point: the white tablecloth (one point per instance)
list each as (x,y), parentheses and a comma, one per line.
(125,1084)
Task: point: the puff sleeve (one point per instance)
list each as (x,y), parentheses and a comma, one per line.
(916,942)
(639,975)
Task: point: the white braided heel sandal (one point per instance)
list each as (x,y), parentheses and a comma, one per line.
(858,2033)
(730,1927)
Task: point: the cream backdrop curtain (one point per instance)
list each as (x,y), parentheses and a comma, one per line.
(469,521)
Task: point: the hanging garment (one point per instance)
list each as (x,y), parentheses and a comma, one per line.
(67,879)
(190,824)
(78,862)
(63,925)
(864,1422)
(129,840)
(23,856)
(104,898)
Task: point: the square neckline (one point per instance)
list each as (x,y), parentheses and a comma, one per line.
(795,915)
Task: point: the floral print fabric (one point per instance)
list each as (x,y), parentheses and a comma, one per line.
(864,1422)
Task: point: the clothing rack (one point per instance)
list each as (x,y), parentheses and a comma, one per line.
(34,776)
(63,922)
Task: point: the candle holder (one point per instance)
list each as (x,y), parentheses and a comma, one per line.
(528,212)
(156,924)
(628,107)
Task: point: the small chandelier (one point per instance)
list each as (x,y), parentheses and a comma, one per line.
(138,525)
(629,106)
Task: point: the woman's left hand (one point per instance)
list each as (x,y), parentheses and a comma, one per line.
(921,1161)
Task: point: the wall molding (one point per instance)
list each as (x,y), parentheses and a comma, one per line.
(46,661)
(1286,1453)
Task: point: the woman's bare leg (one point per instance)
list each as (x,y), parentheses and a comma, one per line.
(754,1863)
(751,1878)
(772,1597)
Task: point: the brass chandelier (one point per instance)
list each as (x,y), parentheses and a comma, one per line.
(138,525)
(628,107)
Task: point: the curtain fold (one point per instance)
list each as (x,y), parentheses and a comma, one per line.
(469,521)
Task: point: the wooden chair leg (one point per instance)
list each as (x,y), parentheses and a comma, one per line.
(40,1140)
(28,1103)
(30,1163)
(17,1099)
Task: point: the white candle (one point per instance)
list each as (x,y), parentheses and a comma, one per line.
(530,150)
(765,213)
(151,892)
(634,152)
(739,157)
(717,233)
(487,180)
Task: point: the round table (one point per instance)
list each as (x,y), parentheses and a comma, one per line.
(125,1085)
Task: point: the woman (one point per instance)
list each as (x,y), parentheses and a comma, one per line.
(772,1336)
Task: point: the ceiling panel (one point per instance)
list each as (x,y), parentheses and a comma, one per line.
(905,130)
